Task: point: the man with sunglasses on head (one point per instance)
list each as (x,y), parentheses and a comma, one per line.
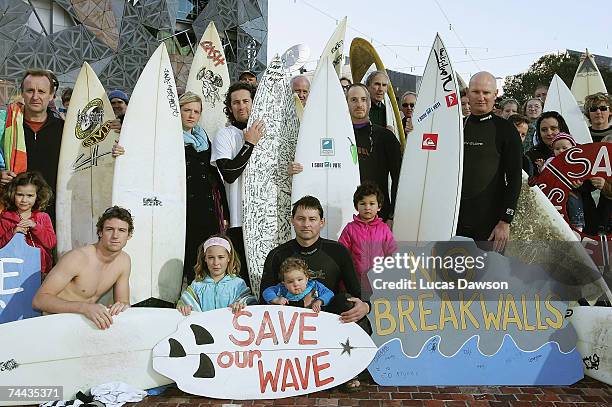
(597,110)
(407,107)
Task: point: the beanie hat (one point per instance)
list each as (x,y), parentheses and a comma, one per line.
(118,94)
(564,136)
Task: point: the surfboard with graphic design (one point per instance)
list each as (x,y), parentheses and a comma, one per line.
(85,170)
(588,79)
(150,181)
(209,79)
(266,198)
(262,352)
(594,328)
(334,49)
(429,191)
(326,148)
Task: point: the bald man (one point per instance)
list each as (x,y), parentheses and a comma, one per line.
(492,161)
(301,86)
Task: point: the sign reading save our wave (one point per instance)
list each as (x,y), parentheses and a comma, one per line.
(262,352)
(19,279)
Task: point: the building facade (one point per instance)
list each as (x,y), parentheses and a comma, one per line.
(117,37)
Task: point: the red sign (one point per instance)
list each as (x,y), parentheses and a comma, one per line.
(451,100)
(430,141)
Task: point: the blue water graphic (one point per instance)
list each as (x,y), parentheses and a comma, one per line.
(510,365)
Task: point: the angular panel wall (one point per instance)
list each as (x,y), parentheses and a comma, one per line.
(117,37)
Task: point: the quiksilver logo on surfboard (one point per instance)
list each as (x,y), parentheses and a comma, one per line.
(430,141)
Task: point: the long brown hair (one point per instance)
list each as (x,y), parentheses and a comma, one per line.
(233,266)
(43,191)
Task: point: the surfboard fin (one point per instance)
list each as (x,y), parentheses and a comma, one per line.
(176,349)
(206,370)
(201,334)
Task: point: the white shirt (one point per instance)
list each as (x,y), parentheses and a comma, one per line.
(227,144)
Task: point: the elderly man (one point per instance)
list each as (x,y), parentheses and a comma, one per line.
(377,84)
(492,164)
(301,87)
(408,103)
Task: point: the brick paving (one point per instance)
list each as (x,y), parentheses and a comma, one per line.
(586,393)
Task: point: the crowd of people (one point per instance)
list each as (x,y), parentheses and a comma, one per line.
(502,138)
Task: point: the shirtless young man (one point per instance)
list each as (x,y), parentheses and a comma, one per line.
(83,275)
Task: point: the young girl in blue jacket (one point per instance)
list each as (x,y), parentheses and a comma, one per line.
(216,284)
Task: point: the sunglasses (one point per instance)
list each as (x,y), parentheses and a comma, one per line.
(408,104)
(593,109)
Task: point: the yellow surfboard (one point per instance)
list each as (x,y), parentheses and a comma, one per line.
(362,55)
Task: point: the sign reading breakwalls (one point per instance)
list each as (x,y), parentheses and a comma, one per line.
(19,279)
(450,314)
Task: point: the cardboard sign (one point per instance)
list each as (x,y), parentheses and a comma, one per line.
(447,313)
(262,352)
(19,279)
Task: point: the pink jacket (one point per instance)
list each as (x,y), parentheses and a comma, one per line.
(366,241)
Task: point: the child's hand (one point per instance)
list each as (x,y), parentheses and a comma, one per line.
(21,229)
(184,309)
(27,223)
(280,301)
(598,182)
(316,305)
(539,163)
(237,306)
(576,184)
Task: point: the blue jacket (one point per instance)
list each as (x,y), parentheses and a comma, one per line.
(319,291)
(206,295)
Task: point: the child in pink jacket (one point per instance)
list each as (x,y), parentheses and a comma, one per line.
(367,236)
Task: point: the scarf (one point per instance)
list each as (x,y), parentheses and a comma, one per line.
(197,138)
(298,297)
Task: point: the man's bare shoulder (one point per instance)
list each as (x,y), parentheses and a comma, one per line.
(81,254)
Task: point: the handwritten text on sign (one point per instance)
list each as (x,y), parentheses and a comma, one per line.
(292,372)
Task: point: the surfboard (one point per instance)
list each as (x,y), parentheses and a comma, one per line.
(362,55)
(85,170)
(77,355)
(326,148)
(560,99)
(209,79)
(594,328)
(334,49)
(429,191)
(266,200)
(19,279)
(587,79)
(150,181)
(263,352)
(295,57)
(299,108)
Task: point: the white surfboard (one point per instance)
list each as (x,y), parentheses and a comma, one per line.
(209,79)
(587,80)
(266,200)
(560,99)
(85,170)
(264,352)
(77,355)
(326,148)
(594,328)
(150,181)
(334,49)
(429,190)
(295,57)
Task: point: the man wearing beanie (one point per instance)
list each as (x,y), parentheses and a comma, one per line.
(119,101)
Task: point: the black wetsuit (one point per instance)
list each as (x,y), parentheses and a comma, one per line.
(379,157)
(492,164)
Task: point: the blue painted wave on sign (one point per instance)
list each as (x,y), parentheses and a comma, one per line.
(19,279)
(510,365)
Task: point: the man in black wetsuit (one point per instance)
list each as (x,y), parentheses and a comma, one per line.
(377,148)
(328,261)
(492,162)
